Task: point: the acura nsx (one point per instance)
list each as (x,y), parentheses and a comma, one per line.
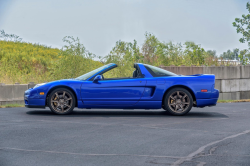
(149,87)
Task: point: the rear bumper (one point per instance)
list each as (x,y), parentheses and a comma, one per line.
(212,101)
(206,102)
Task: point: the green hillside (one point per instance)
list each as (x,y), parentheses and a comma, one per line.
(26,62)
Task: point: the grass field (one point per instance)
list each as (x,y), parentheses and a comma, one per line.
(11,105)
(233,101)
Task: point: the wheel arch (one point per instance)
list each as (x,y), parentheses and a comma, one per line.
(62,86)
(180,86)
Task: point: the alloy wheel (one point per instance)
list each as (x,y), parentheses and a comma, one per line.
(178,101)
(61,101)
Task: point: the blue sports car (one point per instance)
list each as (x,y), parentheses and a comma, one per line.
(148,87)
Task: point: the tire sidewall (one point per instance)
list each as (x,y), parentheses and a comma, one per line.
(166,106)
(73,101)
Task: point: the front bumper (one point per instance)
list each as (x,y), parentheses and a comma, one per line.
(34,106)
(32,100)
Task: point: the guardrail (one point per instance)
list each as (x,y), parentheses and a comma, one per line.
(13,94)
(233,82)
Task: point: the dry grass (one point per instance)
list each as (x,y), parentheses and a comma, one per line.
(11,105)
(233,101)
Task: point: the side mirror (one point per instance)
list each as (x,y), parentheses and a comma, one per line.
(97,78)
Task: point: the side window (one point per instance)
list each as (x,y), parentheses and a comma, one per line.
(158,72)
(119,73)
(114,73)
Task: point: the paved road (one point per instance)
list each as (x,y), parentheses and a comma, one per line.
(210,136)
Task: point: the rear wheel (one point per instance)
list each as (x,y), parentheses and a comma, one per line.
(178,101)
(61,101)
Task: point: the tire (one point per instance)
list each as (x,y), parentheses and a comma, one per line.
(178,101)
(61,101)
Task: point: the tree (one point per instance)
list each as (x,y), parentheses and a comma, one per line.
(74,47)
(231,55)
(243,26)
(9,37)
(74,60)
(124,54)
(211,53)
(159,53)
(244,56)
(195,54)
(149,48)
(236,53)
(171,54)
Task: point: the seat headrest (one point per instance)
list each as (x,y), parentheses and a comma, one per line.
(135,74)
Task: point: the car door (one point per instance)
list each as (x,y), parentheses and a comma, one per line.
(113,92)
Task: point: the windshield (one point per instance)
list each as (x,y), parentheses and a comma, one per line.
(89,74)
(158,72)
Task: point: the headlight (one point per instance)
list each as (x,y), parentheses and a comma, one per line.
(37,85)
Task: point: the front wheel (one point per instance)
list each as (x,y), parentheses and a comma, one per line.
(61,101)
(178,101)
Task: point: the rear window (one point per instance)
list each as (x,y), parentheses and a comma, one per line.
(158,72)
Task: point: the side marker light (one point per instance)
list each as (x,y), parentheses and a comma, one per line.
(41,93)
(204,90)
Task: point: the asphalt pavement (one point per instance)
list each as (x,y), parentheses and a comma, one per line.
(213,136)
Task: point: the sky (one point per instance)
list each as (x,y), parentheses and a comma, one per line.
(100,23)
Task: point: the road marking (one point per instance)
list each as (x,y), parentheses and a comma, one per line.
(201,149)
(201,164)
(85,154)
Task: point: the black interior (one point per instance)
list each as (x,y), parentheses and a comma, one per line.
(135,74)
